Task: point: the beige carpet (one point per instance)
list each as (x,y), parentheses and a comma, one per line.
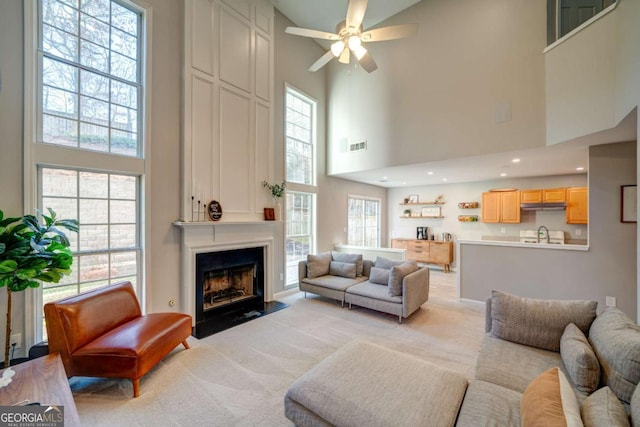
(239,377)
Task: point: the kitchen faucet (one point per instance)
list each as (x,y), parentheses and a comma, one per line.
(546,229)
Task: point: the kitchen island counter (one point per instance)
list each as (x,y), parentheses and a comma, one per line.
(517,244)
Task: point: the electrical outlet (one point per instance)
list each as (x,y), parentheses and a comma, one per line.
(17,340)
(503,230)
(281,277)
(578,232)
(610,302)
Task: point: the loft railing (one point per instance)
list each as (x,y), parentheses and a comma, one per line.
(564,16)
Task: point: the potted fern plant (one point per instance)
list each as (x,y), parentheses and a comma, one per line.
(30,253)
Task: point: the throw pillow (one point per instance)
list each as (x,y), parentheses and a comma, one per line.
(379,276)
(579,359)
(550,401)
(397,274)
(342,269)
(386,263)
(635,407)
(615,339)
(351,258)
(603,409)
(537,322)
(318,265)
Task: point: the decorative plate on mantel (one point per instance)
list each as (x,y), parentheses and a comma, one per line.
(214,210)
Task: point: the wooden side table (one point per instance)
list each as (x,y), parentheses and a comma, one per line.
(41,380)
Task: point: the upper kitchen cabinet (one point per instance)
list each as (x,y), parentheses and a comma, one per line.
(501,206)
(554,195)
(531,196)
(547,195)
(577,205)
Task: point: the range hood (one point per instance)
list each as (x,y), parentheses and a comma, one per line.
(543,206)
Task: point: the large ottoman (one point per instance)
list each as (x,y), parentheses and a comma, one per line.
(364,384)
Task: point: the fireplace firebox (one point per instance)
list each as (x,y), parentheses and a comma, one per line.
(228,284)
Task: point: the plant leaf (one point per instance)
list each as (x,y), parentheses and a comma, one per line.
(8,266)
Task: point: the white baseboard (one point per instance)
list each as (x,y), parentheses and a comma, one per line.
(286,293)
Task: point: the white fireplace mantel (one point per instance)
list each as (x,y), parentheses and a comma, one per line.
(204,237)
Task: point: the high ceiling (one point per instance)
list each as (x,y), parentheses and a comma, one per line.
(554,160)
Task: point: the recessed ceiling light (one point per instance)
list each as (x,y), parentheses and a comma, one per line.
(579,168)
(444,179)
(429,173)
(503,174)
(515,160)
(404,182)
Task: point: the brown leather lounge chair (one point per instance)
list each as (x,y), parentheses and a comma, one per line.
(102,333)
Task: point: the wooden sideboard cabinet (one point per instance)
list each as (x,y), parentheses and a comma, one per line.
(427,251)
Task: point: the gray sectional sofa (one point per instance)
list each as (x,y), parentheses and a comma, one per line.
(394,287)
(541,361)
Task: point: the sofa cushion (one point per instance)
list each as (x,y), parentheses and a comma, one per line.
(487,404)
(350,258)
(537,322)
(635,407)
(519,364)
(382,262)
(549,401)
(318,265)
(334,282)
(396,275)
(379,276)
(373,291)
(579,359)
(616,341)
(603,409)
(342,269)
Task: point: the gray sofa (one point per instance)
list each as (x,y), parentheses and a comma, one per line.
(396,287)
(527,342)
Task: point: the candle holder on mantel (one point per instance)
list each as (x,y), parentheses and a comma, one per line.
(197,204)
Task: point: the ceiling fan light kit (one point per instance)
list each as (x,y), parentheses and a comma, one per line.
(349,34)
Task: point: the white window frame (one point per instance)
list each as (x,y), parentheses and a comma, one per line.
(365,198)
(302,188)
(37,154)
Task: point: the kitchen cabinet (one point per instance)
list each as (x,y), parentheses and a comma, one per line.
(554,195)
(577,205)
(546,195)
(531,196)
(427,251)
(501,206)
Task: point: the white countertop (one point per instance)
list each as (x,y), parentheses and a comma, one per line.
(514,244)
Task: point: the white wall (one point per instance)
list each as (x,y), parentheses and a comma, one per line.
(608,268)
(435,94)
(293,56)
(472,192)
(11,101)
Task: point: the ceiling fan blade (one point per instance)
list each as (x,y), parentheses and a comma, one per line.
(316,34)
(368,63)
(389,33)
(344,56)
(355,14)
(324,59)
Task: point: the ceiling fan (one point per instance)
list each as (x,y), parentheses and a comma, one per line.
(349,37)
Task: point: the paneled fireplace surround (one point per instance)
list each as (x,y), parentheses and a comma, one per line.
(214,244)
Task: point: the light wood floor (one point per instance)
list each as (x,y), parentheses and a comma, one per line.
(442,285)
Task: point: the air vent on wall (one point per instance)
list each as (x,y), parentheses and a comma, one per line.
(358,146)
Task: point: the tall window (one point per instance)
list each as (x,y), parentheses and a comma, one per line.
(300,169)
(364,222)
(85,144)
